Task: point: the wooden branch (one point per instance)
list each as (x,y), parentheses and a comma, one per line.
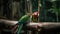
(45,25)
(8,22)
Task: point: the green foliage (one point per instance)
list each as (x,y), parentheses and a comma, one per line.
(34,5)
(53,10)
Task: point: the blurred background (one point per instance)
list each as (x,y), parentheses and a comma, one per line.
(49,11)
(14,9)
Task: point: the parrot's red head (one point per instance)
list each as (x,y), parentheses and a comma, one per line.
(36,14)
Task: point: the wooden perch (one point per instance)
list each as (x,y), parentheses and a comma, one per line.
(45,25)
(8,22)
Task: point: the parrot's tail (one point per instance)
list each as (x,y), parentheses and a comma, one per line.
(19,29)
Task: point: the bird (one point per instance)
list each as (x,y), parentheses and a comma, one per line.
(23,20)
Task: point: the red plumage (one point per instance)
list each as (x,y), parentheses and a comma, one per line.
(36,14)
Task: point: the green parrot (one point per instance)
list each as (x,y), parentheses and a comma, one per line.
(23,20)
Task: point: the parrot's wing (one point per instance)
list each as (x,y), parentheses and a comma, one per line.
(24,19)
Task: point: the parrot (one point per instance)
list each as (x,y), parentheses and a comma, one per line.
(23,20)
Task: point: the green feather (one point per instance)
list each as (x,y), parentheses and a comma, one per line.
(21,21)
(24,19)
